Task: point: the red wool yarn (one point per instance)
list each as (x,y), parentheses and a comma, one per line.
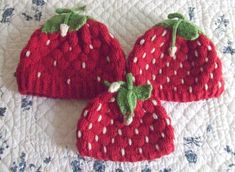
(193,72)
(102,134)
(71,64)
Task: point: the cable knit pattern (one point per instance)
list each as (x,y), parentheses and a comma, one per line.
(195,72)
(71,67)
(101,133)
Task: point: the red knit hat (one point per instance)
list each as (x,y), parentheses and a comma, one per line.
(125,126)
(69,57)
(178,60)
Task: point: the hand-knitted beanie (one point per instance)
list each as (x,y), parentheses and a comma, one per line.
(125,124)
(178,60)
(69,57)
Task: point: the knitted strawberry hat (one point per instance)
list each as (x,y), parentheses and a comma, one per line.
(178,60)
(125,124)
(69,57)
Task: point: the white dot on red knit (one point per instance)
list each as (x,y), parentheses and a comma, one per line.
(181,65)
(104,130)
(164,32)
(39,74)
(182,81)
(155,116)
(27,54)
(141,71)
(129,141)
(91,47)
(153,77)
(175,89)
(135,59)
(99,107)
(108,59)
(123,152)
(111,121)
(79,134)
(112,99)
(209,48)
(157,147)
(151,127)
(48,42)
(146,139)
(206,59)
(168,121)
(98,78)
(167,79)
(144,55)
(136,131)
(190,89)
(161,87)
(89,146)
(160,71)
(83,65)
(68,81)
(119,132)
(162,44)
(199,43)
(153,37)
(153,50)
(140,150)
(219,84)
(206,87)
(70,48)
(216,65)
(153,61)
(162,55)
(142,41)
(146,66)
(163,135)
(167,64)
(90,126)
(85,113)
(175,72)
(96,138)
(154,102)
(111,34)
(196,53)
(211,75)
(196,80)
(112,140)
(54,63)
(105,149)
(99,118)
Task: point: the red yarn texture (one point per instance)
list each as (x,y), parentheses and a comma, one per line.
(71,67)
(101,133)
(194,73)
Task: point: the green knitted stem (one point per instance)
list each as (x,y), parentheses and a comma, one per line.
(71,17)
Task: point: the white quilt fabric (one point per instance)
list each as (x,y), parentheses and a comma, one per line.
(38,134)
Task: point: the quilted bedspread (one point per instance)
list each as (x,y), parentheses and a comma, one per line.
(38,134)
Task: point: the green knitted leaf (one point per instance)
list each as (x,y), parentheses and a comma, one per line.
(143,92)
(131,100)
(53,24)
(122,100)
(76,21)
(188,30)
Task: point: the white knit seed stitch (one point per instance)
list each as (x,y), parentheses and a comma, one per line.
(153,50)
(181,65)
(146,139)
(209,48)
(157,147)
(144,55)
(140,150)
(129,141)
(104,130)
(206,87)
(182,81)
(146,66)
(85,113)
(206,59)
(39,74)
(99,118)
(153,77)
(193,63)
(135,59)
(79,134)
(112,99)
(99,107)
(163,135)
(48,42)
(111,35)
(162,44)
(219,84)
(164,32)
(148,82)
(199,43)
(155,116)
(111,121)
(70,48)
(201,69)
(153,61)
(83,65)
(119,132)
(196,53)
(154,102)
(167,79)
(190,89)
(27,54)
(89,146)
(161,87)
(186,57)
(98,79)
(175,89)
(142,41)
(175,72)
(167,64)
(211,75)
(161,56)
(123,152)
(153,37)
(188,72)
(141,121)
(168,122)
(196,80)
(108,59)
(96,138)
(136,131)
(54,63)
(151,127)
(141,71)
(90,126)
(216,65)
(105,149)
(160,71)
(112,140)
(133,79)
(88,25)
(91,46)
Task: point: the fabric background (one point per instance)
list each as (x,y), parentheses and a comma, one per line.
(38,134)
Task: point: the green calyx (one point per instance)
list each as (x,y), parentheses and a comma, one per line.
(128,94)
(180,26)
(69,17)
